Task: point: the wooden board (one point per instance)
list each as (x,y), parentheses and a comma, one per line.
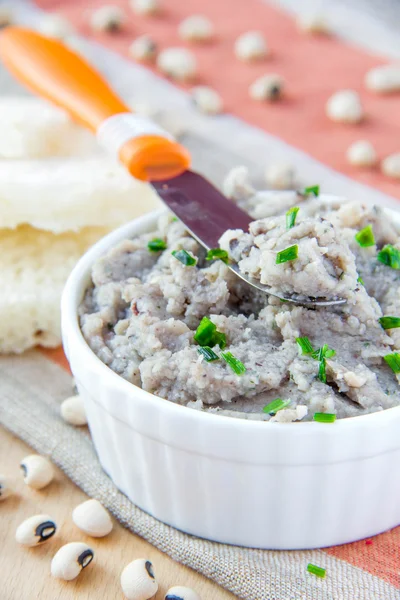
(25,572)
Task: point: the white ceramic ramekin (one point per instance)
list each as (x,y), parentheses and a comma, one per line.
(265,485)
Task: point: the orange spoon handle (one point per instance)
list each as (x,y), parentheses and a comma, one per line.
(53,71)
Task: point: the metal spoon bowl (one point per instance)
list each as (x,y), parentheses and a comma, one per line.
(301,301)
(207,214)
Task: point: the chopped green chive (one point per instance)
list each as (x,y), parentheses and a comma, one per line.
(184,257)
(365,237)
(217,253)
(208,353)
(220,339)
(207,334)
(305,345)
(235,364)
(318,571)
(312,189)
(291,216)
(393,360)
(390,256)
(290,253)
(360,280)
(324,352)
(322,371)
(273,407)
(321,354)
(174,219)
(318,354)
(324,417)
(156,245)
(389,322)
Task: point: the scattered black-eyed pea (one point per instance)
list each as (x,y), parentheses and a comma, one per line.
(35,530)
(143,49)
(70,560)
(108,18)
(177,63)
(145,7)
(361,154)
(390,166)
(6,16)
(207,100)
(38,471)
(142,108)
(55,26)
(5,487)
(345,107)
(267,87)
(384,79)
(196,28)
(92,518)
(280,176)
(251,46)
(138,581)
(180,592)
(74,386)
(313,23)
(73,411)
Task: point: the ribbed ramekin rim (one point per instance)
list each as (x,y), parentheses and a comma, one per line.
(70,320)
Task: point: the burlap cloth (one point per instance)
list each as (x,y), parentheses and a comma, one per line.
(31,389)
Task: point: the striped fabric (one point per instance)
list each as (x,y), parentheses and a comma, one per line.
(294,130)
(314,68)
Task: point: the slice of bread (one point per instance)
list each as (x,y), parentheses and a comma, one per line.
(67,194)
(34,266)
(33,128)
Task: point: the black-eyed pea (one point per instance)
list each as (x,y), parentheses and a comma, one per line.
(251,46)
(70,560)
(138,580)
(6,15)
(73,411)
(268,87)
(345,107)
(55,26)
(143,49)
(384,79)
(313,23)
(109,18)
(180,592)
(5,487)
(36,530)
(74,386)
(390,166)
(145,7)
(207,100)
(37,470)
(177,63)
(196,28)
(92,518)
(361,154)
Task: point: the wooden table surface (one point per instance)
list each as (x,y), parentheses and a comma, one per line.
(25,572)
